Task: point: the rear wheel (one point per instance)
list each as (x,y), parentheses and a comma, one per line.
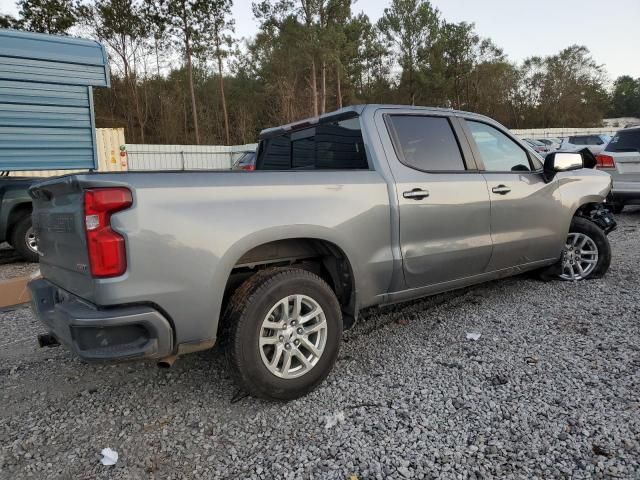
(282,330)
(23,239)
(586,254)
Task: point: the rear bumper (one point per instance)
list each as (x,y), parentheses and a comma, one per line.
(625,191)
(119,333)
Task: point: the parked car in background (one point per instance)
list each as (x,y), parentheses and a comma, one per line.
(247,161)
(539,147)
(595,143)
(621,159)
(551,143)
(367,206)
(15,216)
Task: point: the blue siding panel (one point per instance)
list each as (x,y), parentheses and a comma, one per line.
(53,59)
(46,105)
(45,126)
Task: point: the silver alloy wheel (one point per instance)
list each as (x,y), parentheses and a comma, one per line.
(31,240)
(293,336)
(579,257)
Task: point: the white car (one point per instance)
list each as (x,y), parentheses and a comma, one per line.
(552,143)
(595,143)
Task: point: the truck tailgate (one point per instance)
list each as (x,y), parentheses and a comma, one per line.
(58,221)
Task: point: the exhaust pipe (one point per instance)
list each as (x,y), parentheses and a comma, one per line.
(47,340)
(167,362)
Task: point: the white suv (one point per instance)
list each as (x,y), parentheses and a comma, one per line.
(621,159)
(595,143)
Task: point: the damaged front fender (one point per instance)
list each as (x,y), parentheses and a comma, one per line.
(599,214)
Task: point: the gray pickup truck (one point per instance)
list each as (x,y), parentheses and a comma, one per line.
(369,205)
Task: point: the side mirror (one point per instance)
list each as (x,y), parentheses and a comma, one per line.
(561,162)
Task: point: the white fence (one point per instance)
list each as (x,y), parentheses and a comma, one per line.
(184,157)
(562,132)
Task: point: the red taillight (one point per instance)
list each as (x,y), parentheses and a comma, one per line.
(250,167)
(605,161)
(107,255)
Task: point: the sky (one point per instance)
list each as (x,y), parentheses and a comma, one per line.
(522,28)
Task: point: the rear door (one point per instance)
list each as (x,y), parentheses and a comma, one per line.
(526,213)
(442,199)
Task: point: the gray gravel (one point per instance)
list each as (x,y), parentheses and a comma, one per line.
(11,266)
(551,389)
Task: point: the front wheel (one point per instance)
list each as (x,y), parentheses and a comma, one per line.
(587,252)
(283,328)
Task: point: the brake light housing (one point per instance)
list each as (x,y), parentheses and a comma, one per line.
(106,248)
(605,161)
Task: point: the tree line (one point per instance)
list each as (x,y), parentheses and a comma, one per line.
(180,75)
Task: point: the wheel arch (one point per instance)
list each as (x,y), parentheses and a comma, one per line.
(15,213)
(312,249)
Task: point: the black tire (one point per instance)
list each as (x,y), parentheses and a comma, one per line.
(19,239)
(248,307)
(591,230)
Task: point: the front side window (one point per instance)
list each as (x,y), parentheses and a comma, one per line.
(499,153)
(426,143)
(327,146)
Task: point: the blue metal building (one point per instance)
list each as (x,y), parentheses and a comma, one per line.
(46,103)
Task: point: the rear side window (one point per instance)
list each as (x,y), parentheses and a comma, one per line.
(586,140)
(426,143)
(625,141)
(329,146)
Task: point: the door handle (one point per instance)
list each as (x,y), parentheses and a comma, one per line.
(416,194)
(501,189)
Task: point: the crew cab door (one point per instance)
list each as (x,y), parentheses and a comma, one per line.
(443,202)
(527,216)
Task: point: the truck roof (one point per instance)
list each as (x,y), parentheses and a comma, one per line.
(354,111)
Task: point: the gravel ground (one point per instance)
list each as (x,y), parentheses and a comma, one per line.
(12,266)
(551,389)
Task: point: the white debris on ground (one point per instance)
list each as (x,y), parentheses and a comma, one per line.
(109,457)
(335,419)
(473,336)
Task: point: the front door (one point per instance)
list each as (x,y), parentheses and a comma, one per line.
(527,217)
(442,199)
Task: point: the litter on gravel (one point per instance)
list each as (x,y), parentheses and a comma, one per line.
(335,419)
(109,456)
(473,336)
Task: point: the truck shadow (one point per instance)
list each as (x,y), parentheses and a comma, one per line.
(8,254)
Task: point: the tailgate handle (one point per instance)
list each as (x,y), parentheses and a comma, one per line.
(41,193)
